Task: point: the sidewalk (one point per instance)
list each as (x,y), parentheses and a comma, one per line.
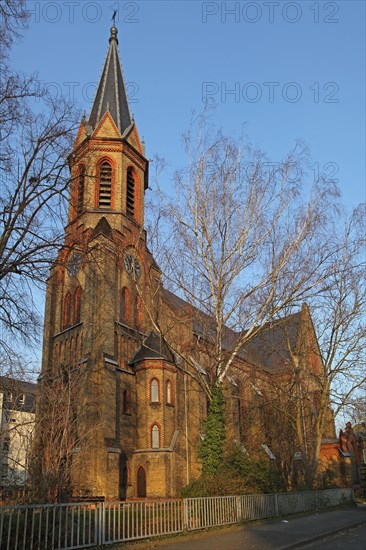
(271,535)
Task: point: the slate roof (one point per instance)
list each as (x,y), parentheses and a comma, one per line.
(268,349)
(111,93)
(153,347)
(174,300)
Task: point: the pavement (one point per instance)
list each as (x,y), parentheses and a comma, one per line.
(279,534)
(353,538)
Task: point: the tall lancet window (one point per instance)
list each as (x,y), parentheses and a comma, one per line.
(130,193)
(105,185)
(155,437)
(77,305)
(81,185)
(154,391)
(66,314)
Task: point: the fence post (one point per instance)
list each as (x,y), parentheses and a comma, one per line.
(238,509)
(276,504)
(185,514)
(101,523)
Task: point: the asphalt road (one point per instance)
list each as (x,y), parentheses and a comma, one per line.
(331,530)
(350,539)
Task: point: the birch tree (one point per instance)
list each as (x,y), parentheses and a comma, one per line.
(324,363)
(246,240)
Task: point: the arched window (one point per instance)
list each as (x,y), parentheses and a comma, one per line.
(115,345)
(81,186)
(105,185)
(126,402)
(140,313)
(122,348)
(77,305)
(77,348)
(122,304)
(135,311)
(80,348)
(62,352)
(72,350)
(130,192)
(125,305)
(154,391)
(155,437)
(168,392)
(66,351)
(66,314)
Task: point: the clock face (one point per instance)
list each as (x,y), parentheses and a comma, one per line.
(74,263)
(132,266)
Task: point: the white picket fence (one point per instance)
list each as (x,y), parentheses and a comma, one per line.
(83,525)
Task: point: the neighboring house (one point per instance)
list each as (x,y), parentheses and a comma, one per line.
(17,406)
(120,411)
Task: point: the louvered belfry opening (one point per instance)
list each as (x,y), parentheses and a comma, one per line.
(130,196)
(80,203)
(105,185)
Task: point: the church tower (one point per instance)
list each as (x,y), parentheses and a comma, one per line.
(96,335)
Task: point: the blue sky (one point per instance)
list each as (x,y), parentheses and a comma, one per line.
(175,53)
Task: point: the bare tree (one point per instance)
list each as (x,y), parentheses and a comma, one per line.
(338,311)
(356,410)
(13,19)
(36,136)
(239,230)
(322,357)
(61,435)
(339,314)
(246,242)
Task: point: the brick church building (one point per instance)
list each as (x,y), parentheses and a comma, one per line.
(130,421)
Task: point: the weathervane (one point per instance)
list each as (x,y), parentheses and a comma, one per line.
(114,17)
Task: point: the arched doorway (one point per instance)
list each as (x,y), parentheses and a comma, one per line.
(141,482)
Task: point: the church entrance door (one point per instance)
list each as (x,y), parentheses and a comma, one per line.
(141,482)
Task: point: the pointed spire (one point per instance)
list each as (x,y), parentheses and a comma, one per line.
(111,93)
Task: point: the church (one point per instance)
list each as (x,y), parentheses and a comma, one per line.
(120,413)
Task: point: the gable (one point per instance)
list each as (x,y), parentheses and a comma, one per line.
(106,128)
(81,135)
(133,139)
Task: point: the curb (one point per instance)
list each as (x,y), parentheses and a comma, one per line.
(324,535)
